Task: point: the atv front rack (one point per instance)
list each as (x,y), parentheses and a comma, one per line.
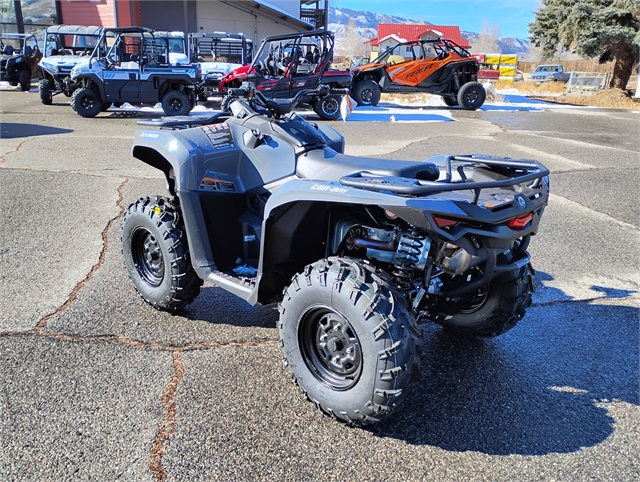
(518,170)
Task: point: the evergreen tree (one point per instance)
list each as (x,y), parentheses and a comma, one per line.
(603,29)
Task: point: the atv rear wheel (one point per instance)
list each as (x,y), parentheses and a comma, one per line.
(328,107)
(86,102)
(44,89)
(366,92)
(493,310)
(156,254)
(176,102)
(349,340)
(24,77)
(471,96)
(450,101)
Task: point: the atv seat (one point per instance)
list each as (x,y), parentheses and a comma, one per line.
(331,166)
(280,106)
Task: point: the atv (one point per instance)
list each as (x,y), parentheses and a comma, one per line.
(218,53)
(287,64)
(355,251)
(133,64)
(65,47)
(439,67)
(18,59)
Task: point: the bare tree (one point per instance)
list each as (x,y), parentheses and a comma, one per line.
(352,43)
(488,39)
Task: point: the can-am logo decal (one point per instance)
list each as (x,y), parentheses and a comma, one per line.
(322,187)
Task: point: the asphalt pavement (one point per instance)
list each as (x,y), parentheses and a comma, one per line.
(97,385)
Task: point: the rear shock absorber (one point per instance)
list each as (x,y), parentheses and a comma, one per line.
(407,258)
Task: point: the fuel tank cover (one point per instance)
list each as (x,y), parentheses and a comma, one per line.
(299,132)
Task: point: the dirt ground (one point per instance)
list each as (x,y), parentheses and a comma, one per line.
(550,92)
(610,98)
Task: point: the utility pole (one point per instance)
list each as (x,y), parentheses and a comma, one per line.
(19,20)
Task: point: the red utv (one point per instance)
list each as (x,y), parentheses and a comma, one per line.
(286,64)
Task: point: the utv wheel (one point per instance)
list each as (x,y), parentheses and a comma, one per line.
(349,340)
(450,101)
(86,102)
(493,310)
(471,96)
(328,107)
(225,106)
(176,102)
(44,89)
(24,77)
(366,92)
(156,254)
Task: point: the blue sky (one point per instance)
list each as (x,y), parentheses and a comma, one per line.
(512,16)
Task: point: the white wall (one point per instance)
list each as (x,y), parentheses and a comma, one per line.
(216,16)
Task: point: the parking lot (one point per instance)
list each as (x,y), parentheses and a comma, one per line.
(97,385)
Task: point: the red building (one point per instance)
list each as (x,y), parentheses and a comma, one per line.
(412,32)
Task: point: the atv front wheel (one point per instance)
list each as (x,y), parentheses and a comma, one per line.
(24,77)
(86,102)
(471,96)
(349,340)
(366,92)
(44,89)
(494,309)
(328,107)
(225,106)
(156,254)
(176,102)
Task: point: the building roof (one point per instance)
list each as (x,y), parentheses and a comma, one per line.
(415,31)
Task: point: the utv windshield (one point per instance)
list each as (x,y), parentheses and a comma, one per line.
(70,44)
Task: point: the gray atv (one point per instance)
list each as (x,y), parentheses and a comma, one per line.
(355,251)
(133,65)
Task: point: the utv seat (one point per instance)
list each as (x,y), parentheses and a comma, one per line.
(331,166)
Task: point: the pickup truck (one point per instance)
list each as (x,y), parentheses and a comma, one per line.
(549,73)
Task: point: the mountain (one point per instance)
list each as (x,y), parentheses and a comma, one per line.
(507,45)
(367,27)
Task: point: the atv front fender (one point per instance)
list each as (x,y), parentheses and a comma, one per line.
(163,151)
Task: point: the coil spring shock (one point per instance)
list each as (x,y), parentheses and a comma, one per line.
(409,250)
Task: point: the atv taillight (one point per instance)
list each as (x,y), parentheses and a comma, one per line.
(443,223)
(521,222)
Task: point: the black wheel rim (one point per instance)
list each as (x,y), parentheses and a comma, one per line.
(175,105)
(330,106)
(147,256)
(87,102)
(366,95)
(473,301)
(472,97)
(330,347)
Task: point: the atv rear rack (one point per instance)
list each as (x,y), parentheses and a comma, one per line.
(523,170)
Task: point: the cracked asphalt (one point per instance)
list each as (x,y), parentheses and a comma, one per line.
(96,385)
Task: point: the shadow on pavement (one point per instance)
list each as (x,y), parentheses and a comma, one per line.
(10,130)
(533,391)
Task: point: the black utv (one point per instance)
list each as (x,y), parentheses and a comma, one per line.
(19,59)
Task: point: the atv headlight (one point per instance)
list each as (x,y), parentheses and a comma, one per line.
(49,67)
